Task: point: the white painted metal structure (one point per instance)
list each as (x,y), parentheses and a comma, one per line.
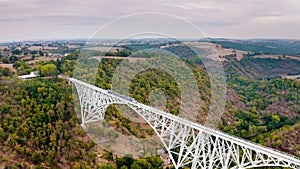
(187,143)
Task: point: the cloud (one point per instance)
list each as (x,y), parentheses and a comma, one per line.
(194,6)
(234,18)
(272,14)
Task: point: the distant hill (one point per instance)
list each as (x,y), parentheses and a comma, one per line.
(262,68)
(280,47)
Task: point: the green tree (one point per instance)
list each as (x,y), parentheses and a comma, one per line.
(37,157)
(275,119)
(34,52)
(127,160)
(155,161)
(41,53)
(16,52)
(141,163)
(48,70)
(5,60)
(58,64)
(107,166)
(76,165)
(124,53)
(6,72)
(17,64)
(13,59)
(124,167)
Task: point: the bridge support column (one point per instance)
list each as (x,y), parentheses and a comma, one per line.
(91,113)
(93,104)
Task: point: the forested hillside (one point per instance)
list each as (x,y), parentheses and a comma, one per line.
(254,108)
(38,125)
(279,47)
(39,128)
(263,105)
(261,68)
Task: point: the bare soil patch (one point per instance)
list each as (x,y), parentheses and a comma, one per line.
(40,59)
(295,77)
(3,47)
(10,66)
(222,52)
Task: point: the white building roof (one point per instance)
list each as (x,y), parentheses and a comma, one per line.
(31,75)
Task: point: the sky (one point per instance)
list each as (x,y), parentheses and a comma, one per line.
(61,19)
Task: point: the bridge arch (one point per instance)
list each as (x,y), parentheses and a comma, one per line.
(191,143)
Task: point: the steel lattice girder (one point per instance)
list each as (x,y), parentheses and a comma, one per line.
(187,143)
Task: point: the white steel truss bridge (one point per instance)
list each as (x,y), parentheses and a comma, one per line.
(187,143)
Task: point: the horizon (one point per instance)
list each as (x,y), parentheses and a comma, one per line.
(116,39)
(270,19)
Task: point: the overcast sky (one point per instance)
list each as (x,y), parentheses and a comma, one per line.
(50,19)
